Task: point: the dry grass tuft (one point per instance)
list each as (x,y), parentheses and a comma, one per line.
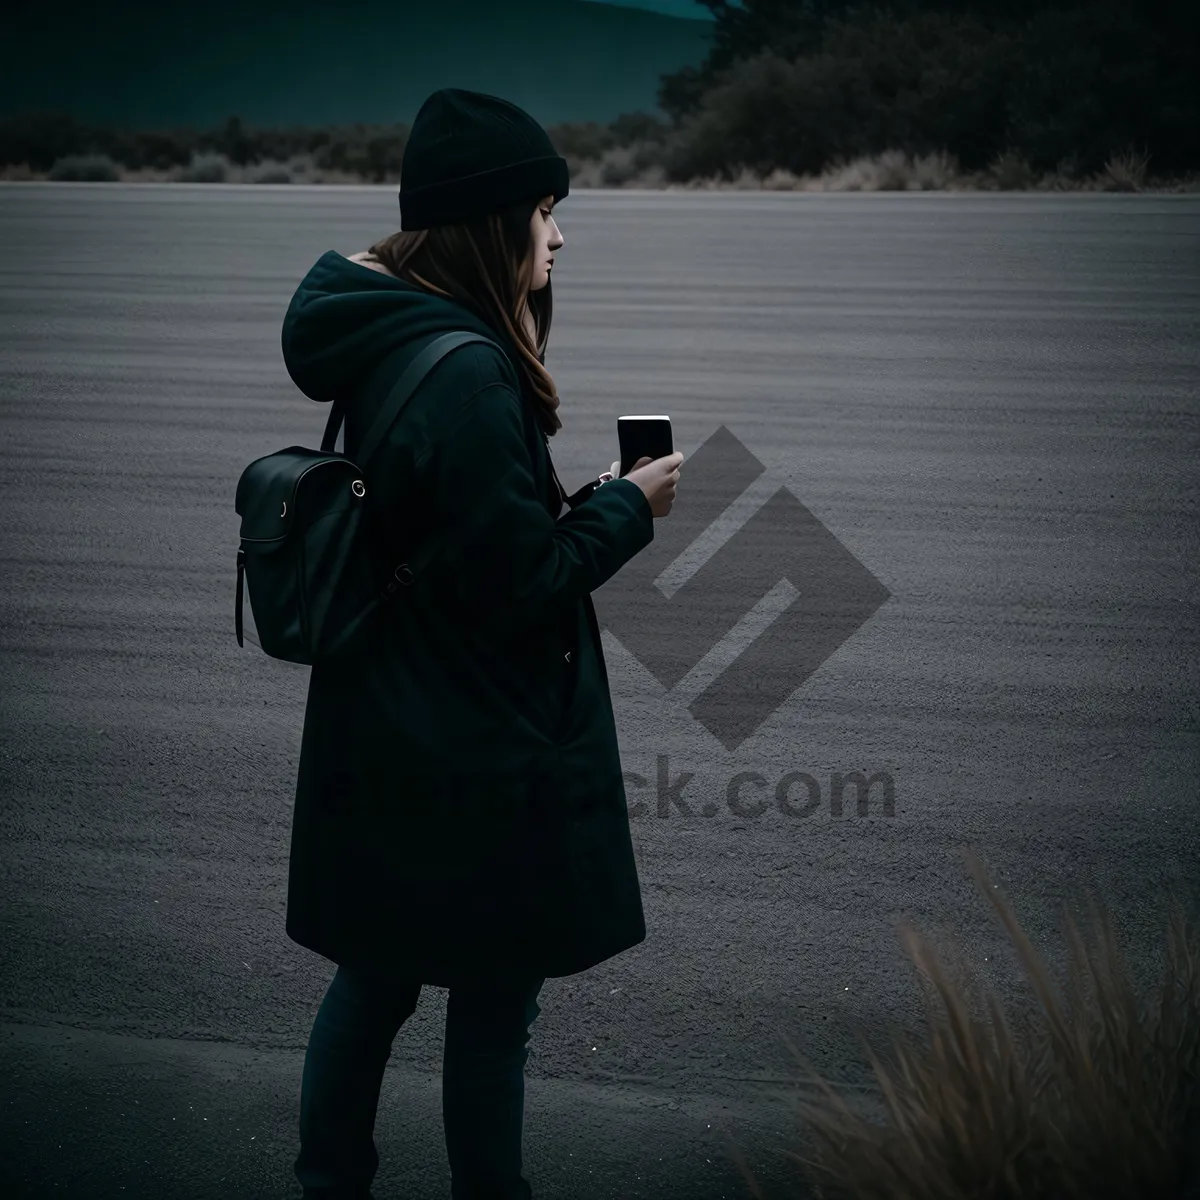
(1125,172)
(1097,1096)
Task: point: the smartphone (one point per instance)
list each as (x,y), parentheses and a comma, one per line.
(641,437)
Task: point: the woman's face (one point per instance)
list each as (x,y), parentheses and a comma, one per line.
(544,241)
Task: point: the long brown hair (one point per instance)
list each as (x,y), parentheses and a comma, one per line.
(485,265)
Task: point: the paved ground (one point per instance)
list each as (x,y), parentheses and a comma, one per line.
(990,401)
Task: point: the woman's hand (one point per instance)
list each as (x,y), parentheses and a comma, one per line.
(657,478)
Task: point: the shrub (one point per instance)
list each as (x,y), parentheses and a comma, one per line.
(300,166)
(1010,171)
(371,152)
(1092,80)
(933,172)
(89,168)
(618,167)
(156,149)
(41,139)
(1097,1097)
(581,140)
(834,80)
(680,94)
(635,127)
(282,145)
(1125,172)
(235,144)
(270,173)
(928,82)
(205,168)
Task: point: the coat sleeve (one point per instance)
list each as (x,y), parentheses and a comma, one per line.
(506,560)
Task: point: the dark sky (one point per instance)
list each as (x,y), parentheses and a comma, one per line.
(692,9)
(288,62)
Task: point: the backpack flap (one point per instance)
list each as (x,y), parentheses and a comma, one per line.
(266,497)
(300,513)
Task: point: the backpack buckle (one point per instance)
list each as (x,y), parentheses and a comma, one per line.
(402,576)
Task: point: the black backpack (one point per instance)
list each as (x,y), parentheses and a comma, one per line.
(306,556)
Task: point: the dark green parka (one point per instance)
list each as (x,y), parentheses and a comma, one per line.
(459,810)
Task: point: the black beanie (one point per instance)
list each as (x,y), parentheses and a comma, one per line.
(469,154)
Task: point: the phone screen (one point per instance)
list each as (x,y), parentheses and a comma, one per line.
(642,437)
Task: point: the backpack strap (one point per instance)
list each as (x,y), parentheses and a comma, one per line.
(393,403)
(399,396)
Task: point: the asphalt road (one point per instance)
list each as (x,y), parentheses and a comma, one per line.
(989,402)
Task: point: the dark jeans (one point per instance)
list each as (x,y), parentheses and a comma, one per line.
(483,1083)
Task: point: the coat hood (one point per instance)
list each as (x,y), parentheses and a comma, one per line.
(346,318)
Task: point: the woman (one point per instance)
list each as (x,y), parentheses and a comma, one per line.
(460,816)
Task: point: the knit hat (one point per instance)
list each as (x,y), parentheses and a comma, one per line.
(469,154)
